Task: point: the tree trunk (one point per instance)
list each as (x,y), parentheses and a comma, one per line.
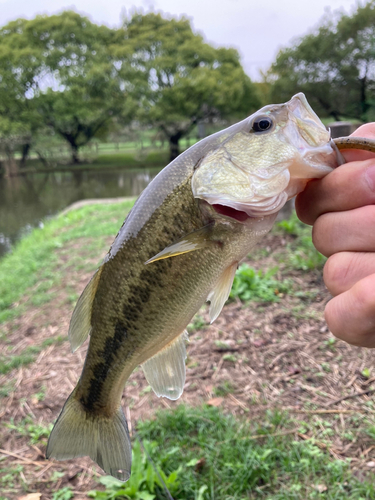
(75,157)
(25,153)
(335,115)
(174,149)
(364,103)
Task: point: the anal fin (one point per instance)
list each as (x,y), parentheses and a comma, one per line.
(220,293)
(166,371)
(80,323)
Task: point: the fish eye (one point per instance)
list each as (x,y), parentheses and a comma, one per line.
(262,124)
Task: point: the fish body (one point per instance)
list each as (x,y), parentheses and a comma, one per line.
(180,246)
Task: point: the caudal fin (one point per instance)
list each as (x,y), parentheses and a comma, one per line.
(105,440)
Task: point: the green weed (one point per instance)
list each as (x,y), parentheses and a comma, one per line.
(197,323)
(301,254)
(39,396)
(144,482)
(224,388)
(27,427)
(222,345)
(220,460)
(27,356)
(63,494)
(366,372)
(6,389)
(250,284)
(230,357)
(9,477)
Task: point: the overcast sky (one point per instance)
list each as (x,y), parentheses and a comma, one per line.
(257,28)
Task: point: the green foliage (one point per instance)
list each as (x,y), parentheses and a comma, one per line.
(39,396)
(302,254)
(366,372)
(144,482)
(188,80)
(26,427)
(66,73)
(27,356)
(333,65)
(220,459)
(250,284)
(9,477)
(224,388)
(198,323)
(63,494)
(6,389)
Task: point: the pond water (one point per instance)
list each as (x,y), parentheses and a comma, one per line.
(26,201)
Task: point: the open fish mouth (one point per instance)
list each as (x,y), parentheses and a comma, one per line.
(230,212)
(242,211)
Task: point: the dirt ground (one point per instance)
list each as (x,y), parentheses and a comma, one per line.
(255,357)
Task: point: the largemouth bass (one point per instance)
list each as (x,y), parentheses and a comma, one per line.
(180,246)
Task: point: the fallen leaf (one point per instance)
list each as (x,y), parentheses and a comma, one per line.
(321,487)
(200,464)
(259,343)
(31,496)
(293,370)
(215,401)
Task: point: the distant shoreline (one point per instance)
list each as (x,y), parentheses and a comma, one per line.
(94,201)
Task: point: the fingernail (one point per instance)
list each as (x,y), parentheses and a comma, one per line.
(370,177)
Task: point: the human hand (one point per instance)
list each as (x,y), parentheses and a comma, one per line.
(341,208)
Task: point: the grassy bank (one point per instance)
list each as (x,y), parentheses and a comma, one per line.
(33,266)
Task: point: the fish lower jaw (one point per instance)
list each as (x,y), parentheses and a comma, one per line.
(241,212)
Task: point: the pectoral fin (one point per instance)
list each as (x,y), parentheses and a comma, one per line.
(166,371)
(193,241)
(80,324)
(220,293)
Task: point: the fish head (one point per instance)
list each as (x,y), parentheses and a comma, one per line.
(266,159)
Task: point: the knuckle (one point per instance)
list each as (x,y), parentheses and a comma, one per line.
(319,234)
(335,273)
(366,130)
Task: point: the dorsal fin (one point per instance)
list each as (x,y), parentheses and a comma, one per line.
(166,371)
(221,291)
(80,323)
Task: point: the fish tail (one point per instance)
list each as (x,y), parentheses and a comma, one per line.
(104,439)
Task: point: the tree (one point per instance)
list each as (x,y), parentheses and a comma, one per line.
(188,80)
(334,66)
(70,72)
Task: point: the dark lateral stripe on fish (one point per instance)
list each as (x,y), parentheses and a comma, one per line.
(100,370)
(138,295)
